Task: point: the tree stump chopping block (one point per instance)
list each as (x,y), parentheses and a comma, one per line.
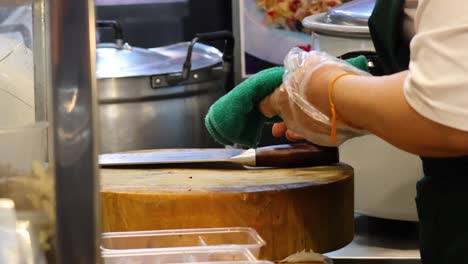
(291,209)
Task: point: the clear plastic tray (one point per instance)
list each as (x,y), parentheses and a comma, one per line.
(173,255)
(241,237)
(234,262)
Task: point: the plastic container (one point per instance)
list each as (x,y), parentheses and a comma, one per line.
(179,255)
(22,157)
(241,237)
(20,147)
(28,182)
(28,233)
(8,239)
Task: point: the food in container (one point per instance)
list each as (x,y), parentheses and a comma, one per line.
(288,14)
(26,179)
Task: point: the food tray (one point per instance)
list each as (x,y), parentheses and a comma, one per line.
(179,255)
(241,237)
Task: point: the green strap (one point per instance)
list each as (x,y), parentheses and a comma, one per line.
(386,28)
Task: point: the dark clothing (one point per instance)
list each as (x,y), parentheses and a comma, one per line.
(386,28)
(442,202)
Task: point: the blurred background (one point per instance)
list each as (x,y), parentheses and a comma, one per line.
(154,23)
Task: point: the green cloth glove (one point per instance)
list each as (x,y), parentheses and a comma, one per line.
(235,118)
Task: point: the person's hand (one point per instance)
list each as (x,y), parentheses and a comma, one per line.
(280,130)
(297,124)
(302,100)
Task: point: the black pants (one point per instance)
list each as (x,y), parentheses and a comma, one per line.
(442,202)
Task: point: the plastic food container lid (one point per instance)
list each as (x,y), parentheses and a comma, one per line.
(180,255)
(182,239)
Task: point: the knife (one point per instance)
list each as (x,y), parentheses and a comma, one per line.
(282,156)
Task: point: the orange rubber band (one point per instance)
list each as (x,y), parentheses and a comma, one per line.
(333,136)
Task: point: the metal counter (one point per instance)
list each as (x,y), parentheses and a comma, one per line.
(379,241)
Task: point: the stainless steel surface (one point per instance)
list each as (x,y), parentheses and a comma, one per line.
(318,25)
(127,61)
(170,117)
(347,20)
(172,156)
(353,13)
(73,94)
(379,241)
(135,89)
(141,109)
(132,61)
(40,12)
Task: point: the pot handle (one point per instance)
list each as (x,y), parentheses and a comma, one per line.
(118,32)
(228,54)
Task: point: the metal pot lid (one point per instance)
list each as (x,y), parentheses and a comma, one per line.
(349,19)
(114,62)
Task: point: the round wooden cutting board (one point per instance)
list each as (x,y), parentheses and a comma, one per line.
(291,209)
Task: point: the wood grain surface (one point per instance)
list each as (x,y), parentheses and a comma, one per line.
(292,209)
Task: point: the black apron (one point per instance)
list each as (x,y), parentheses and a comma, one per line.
(442,193)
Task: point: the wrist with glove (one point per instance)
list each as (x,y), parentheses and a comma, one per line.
(301,101)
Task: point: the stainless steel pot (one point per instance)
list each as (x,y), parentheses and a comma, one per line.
(158,98)
(385,177)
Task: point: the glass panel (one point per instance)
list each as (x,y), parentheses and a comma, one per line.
(25,177)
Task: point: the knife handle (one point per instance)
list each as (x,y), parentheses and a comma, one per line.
(296,155)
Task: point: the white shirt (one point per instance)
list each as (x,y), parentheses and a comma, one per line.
(437,84)
(409,12)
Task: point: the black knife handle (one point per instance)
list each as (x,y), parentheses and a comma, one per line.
(296,155)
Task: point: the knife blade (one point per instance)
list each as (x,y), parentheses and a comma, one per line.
(282,156)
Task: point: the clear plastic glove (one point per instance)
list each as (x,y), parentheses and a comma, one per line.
(302,100)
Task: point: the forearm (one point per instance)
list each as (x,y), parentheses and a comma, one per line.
(378,105)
